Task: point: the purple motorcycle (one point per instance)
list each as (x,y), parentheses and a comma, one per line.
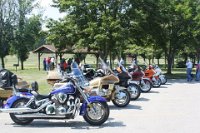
(65,102)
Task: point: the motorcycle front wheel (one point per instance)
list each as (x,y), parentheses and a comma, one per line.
(121,98)
(164,80)
(157,83)
(21,121)
(97,113)
(145,86)
(134,91)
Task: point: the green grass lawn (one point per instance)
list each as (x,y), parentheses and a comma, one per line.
(31,72)
(178,73)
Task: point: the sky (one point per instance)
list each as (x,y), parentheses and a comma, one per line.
(48,11)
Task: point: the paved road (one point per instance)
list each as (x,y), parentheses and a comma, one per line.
(172,108)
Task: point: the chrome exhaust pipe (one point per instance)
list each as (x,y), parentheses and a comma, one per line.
(16,110)
(24,110)
(39,116)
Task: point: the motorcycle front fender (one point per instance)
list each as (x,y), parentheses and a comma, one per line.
(118,88)
(133,82)
(14,98)
(91,99)
(147,79)
(162,76)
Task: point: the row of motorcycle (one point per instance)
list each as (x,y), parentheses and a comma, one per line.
(134,79)
(83,93)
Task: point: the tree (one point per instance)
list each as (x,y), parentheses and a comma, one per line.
(62,33)
(27,30)
(7,19)
(112,26)
(41,39)
(99,25)
(169,23)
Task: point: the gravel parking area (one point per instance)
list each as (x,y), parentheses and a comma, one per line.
(172,108)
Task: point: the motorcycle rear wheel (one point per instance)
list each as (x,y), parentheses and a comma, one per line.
(121,102)
(97,113)
(158,84)
(21,121)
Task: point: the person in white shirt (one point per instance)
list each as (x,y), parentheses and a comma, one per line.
(52,62)
(121,61)
(189,70)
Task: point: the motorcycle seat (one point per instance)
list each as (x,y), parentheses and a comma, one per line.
(24,90)
(39,96)
(42,96)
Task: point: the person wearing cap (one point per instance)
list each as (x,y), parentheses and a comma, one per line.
(189,70)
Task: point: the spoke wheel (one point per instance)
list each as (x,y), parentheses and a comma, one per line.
(145,86)
(21,121)
(97,113)
(121,98)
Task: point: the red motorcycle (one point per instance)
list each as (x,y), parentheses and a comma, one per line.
(138,78)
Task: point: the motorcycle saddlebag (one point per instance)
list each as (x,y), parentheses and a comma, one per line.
(137,75)
(7,79)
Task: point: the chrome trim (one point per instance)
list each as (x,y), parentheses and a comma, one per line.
(24,110)
(39,115)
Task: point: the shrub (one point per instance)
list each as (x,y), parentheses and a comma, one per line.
(180,64)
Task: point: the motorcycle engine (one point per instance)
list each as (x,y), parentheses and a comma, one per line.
(50,109)
(61,97)
(103,92)
(100,92)
(62,104)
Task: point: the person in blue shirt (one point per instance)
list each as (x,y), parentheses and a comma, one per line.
(189,70)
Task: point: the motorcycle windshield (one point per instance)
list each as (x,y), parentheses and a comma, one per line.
(122,67)
(105,67)
(77,73)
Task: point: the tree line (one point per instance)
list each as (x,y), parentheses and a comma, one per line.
(150,28)
(19,30)
(116,28)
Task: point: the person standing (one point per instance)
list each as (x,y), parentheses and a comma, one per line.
(52,63)
(134,62)
(198,71)
(121,61)
(44,64)
(48,61)
(189,70)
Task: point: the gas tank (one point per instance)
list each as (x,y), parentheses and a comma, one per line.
(67,88)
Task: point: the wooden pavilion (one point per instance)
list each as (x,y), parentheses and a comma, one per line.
(50,49)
